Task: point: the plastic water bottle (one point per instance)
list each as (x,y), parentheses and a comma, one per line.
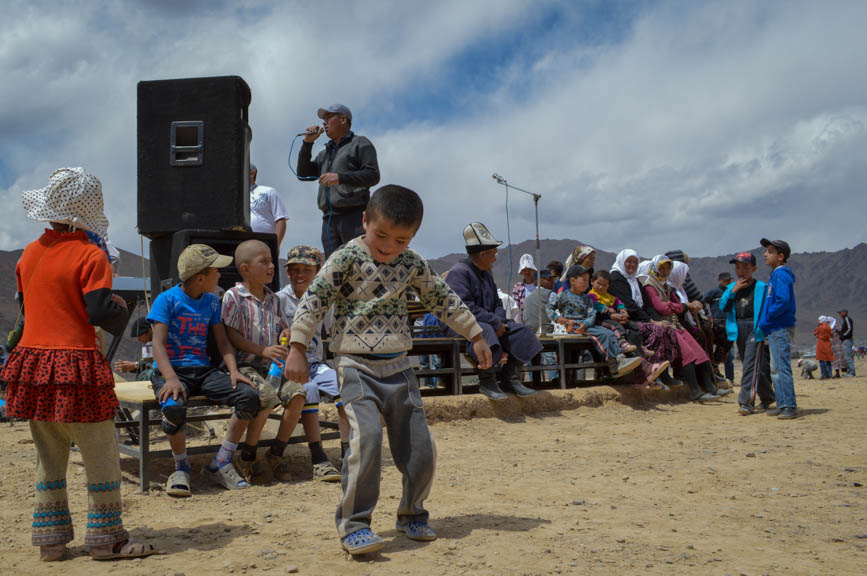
(275,371)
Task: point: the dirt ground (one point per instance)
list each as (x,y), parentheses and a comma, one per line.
(590,481)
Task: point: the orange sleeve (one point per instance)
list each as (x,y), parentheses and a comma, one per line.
(95,271)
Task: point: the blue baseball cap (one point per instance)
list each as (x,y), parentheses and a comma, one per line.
(335,109)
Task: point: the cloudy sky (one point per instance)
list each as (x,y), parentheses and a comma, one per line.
(651,125)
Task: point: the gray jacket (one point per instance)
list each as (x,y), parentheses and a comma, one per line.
(354,161)
(531,310)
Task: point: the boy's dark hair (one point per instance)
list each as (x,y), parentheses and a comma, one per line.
(401,206)
(576,270)
(604,274)
(556,267)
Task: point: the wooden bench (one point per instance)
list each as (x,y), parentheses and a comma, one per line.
(455,365)
(140,396)
(563,346)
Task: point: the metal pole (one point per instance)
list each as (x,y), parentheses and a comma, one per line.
(538,265)
(500,180)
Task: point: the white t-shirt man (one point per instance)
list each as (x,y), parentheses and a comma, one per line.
(266,208)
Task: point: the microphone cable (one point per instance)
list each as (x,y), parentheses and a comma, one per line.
(289,161)
(312,179)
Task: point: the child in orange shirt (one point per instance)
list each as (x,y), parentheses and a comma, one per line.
(58,379)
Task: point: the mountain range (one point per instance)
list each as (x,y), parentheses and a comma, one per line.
(825,281)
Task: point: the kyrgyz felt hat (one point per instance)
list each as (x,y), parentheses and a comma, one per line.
(478,238)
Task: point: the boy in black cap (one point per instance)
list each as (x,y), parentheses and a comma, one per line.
(742,305)
(778,324)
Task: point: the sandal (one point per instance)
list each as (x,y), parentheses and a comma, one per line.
(178,484)
(122,550)
(52,553)
(363,541)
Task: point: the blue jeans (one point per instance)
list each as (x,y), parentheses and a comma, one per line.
(780,345)
(729,365)
(825,368)
(849,356)
(429,362)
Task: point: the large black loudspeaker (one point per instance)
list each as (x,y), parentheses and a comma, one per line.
(193,155)
(166,249)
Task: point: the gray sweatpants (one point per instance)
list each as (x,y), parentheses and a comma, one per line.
(373,390)
(756,359)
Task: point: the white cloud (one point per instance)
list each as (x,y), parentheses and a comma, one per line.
(705,128)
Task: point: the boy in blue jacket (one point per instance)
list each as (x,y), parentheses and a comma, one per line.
(741,304)
(778,324)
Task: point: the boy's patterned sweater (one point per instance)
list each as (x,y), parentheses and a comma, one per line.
(369,298)
(575,307)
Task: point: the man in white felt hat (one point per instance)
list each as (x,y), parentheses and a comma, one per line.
(471,279)
(523,288)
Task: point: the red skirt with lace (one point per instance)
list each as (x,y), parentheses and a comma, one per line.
(59,385)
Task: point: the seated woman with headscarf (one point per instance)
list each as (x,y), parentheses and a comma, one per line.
(699,328)
(693,362)
(656,336)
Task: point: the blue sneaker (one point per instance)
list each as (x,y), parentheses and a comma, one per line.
(420,531)
(362,541)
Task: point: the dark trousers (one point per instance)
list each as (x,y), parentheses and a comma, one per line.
(756,359)
(518,341)
(216,386)
(340,228)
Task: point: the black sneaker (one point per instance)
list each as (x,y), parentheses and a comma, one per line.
(788,414)
(773,411)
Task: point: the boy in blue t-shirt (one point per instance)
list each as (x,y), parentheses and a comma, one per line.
(182,318)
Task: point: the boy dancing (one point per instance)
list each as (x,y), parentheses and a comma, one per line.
(366,282)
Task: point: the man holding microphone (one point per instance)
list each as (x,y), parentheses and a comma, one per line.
(346,168)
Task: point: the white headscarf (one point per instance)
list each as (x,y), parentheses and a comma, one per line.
(643,270)
(620,266)
(828,320)
(679,270)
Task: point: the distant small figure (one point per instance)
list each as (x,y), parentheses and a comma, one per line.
(807,367)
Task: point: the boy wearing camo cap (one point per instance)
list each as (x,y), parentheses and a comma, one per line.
(302,265)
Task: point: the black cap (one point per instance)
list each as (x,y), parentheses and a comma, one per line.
(842,311)
(545,273)
(724,276)
(743,257)
(576,270)
(781,245)
(139,327)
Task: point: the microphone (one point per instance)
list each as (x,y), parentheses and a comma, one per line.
(305,133)
(498,178)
